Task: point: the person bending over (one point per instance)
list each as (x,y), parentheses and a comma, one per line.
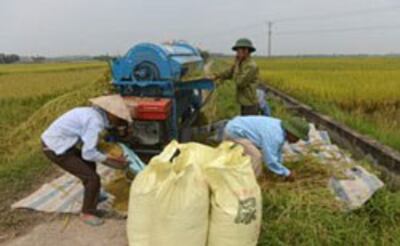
(71,143)
(268,134)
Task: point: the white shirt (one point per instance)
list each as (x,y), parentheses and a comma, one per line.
(79,124)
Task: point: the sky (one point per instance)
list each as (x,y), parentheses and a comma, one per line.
(91,27)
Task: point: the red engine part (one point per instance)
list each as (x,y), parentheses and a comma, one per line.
(148,108)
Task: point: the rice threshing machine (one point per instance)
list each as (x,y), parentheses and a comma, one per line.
(164,88)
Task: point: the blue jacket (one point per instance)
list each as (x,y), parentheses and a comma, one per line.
(266,133)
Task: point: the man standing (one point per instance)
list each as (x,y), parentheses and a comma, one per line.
(262,100)
(268,134)
(245,74)
(81,127)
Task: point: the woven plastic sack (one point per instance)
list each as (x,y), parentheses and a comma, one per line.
(236,204)
(357,189)
(169,200)
(251,150)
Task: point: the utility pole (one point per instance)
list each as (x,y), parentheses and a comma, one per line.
(270,23)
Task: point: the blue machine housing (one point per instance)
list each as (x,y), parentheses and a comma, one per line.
(153,70)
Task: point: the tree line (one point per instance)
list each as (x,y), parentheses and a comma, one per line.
(7,59)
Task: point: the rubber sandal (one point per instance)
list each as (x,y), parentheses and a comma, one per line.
(101,213)
(91,220)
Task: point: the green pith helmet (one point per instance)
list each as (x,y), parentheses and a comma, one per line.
(244,43)
(297,126)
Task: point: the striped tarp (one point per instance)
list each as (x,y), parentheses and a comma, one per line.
(63,195)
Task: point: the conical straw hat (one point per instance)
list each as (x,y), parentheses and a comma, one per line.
(113,104)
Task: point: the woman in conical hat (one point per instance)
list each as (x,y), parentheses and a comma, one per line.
(82,126)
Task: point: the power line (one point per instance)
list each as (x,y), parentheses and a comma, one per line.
(270,38)
(339,15)
(272,23)
(333,30)
(297,18)
(332,16)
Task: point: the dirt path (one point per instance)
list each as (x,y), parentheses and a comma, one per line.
(207,68)
(62,232)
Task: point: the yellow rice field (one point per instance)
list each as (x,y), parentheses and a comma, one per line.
(362,92)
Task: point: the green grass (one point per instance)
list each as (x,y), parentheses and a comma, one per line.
(289,223)
(18,177)
(304,213)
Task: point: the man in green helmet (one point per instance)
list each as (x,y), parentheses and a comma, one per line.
(245,74)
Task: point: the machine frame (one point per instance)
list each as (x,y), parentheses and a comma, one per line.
(170,62)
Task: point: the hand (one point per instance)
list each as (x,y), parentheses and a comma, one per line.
(237,60)
(120,159)
(291,177)
(116,162)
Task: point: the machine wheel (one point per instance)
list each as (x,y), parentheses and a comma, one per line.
(145,71)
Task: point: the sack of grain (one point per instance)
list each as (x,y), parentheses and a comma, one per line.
(169,200)
(251,150)
(235,218)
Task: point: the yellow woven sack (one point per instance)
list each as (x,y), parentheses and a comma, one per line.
(255,155)
(169,200)
(236,204)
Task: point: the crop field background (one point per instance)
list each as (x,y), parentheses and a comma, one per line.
(25,88)
(363,93)
(300,213)
(31,96)
(48,67)
(304,212)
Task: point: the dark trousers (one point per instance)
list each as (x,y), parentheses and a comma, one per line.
(72,162)
(249,110)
